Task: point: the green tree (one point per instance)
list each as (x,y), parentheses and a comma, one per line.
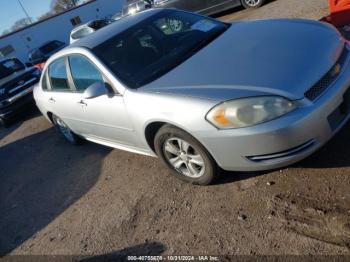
(58,6)
(23,22)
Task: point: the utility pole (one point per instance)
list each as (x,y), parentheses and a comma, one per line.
(25,12)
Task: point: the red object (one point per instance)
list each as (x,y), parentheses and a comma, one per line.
(40,66)
(339,5)
(340,13)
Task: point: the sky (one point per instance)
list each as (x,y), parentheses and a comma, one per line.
(11,11)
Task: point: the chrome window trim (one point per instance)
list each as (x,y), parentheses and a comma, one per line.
(117,86)
(45,77)
(71,83)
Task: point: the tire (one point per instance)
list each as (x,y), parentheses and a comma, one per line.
(65,131)
(186,158)
(249,4)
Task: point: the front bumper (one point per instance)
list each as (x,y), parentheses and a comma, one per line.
(17,103)
(286,140)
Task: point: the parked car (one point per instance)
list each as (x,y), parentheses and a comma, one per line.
(39,55)
(202,94)
(117,16)
(207,7)
(86,29)
(136,6)
(16,86)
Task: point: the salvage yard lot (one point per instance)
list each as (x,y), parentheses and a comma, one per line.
(59,199)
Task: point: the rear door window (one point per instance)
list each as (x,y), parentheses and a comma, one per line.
(58,75)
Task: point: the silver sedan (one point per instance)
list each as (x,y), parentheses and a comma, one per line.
(201,94)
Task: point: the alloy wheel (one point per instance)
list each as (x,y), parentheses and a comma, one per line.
(64,129)
(252,3)
(184,158)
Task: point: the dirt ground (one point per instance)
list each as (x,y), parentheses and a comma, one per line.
(57,199)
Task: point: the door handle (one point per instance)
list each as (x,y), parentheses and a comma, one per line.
(51,100)
(81,102)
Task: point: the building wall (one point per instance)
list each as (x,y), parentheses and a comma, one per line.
(57,28)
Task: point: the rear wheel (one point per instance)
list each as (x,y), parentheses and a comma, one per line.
(186,158)
(67,133)
(252,3)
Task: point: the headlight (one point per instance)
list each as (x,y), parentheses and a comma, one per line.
(249,111)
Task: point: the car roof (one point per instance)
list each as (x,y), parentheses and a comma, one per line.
(105,33)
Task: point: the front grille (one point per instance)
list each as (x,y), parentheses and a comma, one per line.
(327,79)
(23,84)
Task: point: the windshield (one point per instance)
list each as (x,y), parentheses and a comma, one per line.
(51,47)
(82,33)
(98,24)
(153,47)
(10,66)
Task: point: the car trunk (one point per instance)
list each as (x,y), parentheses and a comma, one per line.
(340,16)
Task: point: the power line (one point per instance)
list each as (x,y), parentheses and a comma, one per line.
(25,12)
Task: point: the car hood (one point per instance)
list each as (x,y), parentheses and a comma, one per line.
(15,79)
(284,57)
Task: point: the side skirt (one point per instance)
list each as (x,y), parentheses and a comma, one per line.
(121,146)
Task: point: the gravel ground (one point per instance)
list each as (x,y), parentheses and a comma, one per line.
(57,199)
(310,9)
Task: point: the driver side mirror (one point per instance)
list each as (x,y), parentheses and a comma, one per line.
(96,90)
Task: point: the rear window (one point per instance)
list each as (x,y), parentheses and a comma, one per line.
(58,75)
(10,66)
(98,24)
(82,33)
(51,47)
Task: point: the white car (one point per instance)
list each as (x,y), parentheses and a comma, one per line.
(87,29)
(202,94)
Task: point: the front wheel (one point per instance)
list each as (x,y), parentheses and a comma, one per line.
(186,158)
(252,3)
(67,133)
